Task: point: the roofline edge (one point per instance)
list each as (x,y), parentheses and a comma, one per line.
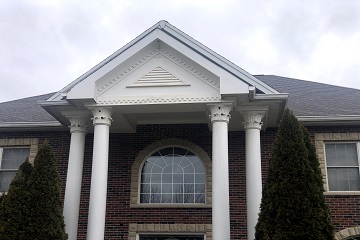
(31,124)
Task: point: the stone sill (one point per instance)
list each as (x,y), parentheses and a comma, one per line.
(344,193)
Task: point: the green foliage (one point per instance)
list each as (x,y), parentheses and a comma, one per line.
(313,159)
(2,198)
(47,221)
(15,212)
(324,216)
(293,205)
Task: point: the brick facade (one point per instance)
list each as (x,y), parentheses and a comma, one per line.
(124,148)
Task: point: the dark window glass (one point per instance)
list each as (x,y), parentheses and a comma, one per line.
(173,175)
(342,166)
(10,160)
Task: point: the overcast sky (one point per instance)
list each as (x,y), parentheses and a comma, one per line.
(46,44)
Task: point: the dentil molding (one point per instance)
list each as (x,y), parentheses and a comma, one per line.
(160,99)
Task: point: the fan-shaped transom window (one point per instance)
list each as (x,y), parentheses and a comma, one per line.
(173,175)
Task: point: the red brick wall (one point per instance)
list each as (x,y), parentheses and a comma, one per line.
(124,149)
(345,210)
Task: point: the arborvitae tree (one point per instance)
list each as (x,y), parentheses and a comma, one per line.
(324,216)
(47,221)
(15,211)
(2,198)
(290,206)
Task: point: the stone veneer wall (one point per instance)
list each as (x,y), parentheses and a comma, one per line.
(121,219)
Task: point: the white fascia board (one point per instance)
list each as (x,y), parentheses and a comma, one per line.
(183,38)
(329,118)
(217,59)
(87,87)
(273,96)
(225,76)
(30,124)
(104,62)
(45,103)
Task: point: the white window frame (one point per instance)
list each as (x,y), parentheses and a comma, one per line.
(31,143)
(11,147)
(194,193)
(145,153)
(357,143)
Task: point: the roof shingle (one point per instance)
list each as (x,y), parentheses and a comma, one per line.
(25,110)
(305,99)
(315,99)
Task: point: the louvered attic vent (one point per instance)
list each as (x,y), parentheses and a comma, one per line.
(158,77)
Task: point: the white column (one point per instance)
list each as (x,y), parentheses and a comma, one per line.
(252,124)
(220,171)
(97,206)
(74,175)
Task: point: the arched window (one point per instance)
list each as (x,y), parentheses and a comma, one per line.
(173,175)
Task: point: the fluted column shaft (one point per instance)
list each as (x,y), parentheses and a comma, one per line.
(220,171)
(98,192)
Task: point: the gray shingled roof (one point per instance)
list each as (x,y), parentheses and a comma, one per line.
(25,110)
(305,99)
(315,99)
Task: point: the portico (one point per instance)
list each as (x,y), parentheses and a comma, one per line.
(164,77)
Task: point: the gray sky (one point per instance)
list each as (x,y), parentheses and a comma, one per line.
(46,44)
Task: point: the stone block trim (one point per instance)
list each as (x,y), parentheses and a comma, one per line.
(181,228)
(22,142)
(347,233)
(320,139)
(139,161)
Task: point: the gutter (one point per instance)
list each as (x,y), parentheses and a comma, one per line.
(268,96)
(328,119)
(30,124)
(45,103)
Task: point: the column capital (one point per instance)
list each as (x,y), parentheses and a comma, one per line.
(252,119)
(102,116)
(77,119)
(77,124)
(220,112)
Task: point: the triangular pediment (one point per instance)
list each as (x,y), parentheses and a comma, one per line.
(158,77)
(120,71)
(162,76)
